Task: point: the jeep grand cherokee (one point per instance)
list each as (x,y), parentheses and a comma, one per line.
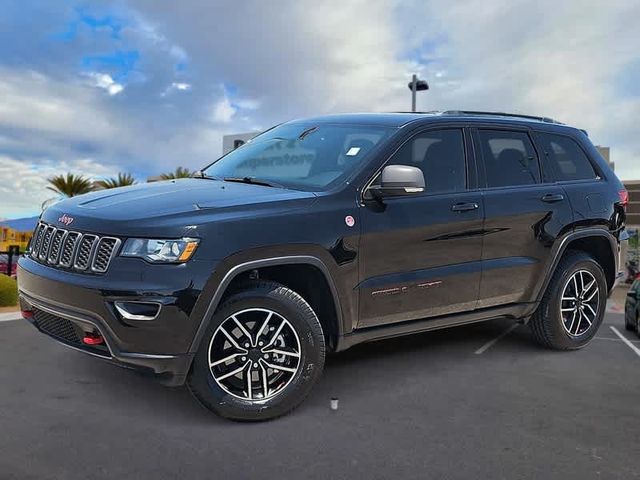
(325,232)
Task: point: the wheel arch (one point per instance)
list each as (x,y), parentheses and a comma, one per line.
(597,242)
(279,269)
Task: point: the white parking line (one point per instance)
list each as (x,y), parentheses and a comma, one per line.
(491,343)
(614,339)
(625,340)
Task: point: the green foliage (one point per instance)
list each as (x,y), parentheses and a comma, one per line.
(122,180)
(70,185)
(179,172)
(8,291)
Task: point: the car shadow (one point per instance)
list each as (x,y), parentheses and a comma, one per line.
(358,369)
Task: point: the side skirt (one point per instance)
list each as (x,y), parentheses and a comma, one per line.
(519,311)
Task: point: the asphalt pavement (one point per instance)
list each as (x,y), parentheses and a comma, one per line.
(474,402)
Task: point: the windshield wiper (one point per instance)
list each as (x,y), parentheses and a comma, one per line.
(201,174)
(253,181)
(308,131)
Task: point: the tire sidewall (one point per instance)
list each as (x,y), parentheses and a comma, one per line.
(303,320)
(553,307)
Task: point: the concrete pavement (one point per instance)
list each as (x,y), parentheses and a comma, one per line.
(425,406)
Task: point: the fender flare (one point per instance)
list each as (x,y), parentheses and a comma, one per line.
(236,270)
(561,248)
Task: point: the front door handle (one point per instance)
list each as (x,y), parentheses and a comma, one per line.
(464,207)
(552,197)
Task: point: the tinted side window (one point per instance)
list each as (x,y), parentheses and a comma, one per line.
(509,158)
(440,156)
(564,157)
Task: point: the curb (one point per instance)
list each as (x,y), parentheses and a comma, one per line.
(7,317)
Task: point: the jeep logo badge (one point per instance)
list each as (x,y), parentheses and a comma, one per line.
(66,219)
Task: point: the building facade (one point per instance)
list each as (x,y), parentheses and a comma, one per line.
(10,237)
(231,142)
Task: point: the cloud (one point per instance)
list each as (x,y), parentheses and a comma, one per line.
(223,111)
(104,80)
(176,87)
(24,189)
(149,88)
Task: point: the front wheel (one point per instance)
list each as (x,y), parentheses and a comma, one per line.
(262,353)
(573,306)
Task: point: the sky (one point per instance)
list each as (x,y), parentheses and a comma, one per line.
(144,86)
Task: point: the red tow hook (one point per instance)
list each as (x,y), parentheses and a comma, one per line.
(92,339)
(27,314)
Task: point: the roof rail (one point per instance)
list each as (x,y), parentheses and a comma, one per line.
(500,114)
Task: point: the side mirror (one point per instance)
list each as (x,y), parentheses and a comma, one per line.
(397,181)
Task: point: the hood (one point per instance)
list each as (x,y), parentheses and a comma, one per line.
(173,202)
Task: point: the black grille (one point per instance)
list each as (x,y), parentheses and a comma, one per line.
(103,254)
(46,242)
(73,250)
(68,249)
(66,331)
(56,243)
(57,327)
(83,257)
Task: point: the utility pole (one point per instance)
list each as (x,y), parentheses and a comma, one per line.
(416,85)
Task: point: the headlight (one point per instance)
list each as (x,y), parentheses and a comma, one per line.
(160,251)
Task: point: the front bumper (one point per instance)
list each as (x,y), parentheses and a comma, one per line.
(85,303)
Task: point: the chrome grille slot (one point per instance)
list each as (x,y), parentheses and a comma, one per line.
(56,243)
(68,249)
(37,240)
(46,242)
(107,246)
(85,251)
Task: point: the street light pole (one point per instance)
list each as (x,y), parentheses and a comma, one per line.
(414,83)
(416,86)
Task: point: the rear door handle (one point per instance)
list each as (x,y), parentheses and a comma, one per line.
(552,197)
(464,207)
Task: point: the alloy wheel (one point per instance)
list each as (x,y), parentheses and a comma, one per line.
(579,303)
(254,354)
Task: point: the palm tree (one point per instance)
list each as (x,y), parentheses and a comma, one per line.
(179,172)
(70,185)
(122,180)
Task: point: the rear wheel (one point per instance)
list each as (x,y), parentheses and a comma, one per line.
(261,355)
(573,306)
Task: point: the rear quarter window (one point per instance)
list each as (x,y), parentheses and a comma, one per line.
(564,159)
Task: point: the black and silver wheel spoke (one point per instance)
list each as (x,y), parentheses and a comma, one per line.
(579,303)
(254,354)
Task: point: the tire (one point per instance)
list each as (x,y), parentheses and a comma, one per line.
(262,308)
(549,327)
(630,326)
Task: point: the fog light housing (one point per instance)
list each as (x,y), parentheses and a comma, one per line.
(138,310)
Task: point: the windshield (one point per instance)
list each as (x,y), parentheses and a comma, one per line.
(303,157)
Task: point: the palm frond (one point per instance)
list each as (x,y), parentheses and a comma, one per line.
(179,172)
(122,180)
(70,185)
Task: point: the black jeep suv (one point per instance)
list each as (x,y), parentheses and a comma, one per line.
(327,232)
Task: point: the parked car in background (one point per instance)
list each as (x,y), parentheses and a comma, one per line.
(632,308)
(4,264)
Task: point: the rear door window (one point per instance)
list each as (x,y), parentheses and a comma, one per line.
(509,158)
(564,158)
